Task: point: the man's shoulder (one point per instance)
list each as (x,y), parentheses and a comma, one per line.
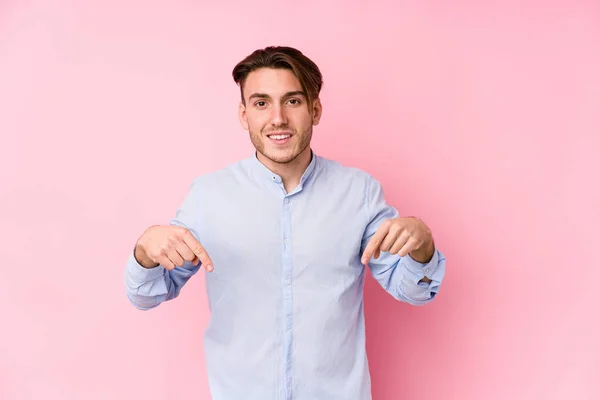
(338,169)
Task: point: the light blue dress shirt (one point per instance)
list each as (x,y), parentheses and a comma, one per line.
(286,293)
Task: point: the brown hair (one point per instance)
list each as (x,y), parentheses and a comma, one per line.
(283,57)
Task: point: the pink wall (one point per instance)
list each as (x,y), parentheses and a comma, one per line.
(482,119)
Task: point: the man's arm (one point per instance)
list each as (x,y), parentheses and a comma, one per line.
(147,284)
(147,288)
(400,252)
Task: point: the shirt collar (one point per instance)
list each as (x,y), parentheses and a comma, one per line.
(266,175)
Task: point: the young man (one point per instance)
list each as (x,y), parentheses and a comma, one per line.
(286,237)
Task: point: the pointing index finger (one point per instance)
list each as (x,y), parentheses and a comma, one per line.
(198,250)
(373,245)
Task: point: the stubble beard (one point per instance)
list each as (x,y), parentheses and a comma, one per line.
(260,147)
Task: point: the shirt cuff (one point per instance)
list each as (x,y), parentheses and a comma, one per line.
(420,269)
(140,274)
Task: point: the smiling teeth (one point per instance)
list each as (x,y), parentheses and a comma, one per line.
(279,137)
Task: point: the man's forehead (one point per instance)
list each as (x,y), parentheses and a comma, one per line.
(274,82)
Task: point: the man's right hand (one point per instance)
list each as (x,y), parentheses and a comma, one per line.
(170,246)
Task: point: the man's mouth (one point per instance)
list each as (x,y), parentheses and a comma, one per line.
(279,137)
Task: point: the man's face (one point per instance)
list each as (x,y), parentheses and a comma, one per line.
(277,114)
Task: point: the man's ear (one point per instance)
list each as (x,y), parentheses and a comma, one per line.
(242,116)
(317,111)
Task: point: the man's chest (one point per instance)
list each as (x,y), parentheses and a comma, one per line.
(303,231)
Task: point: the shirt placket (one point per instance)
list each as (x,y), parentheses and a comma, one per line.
(287,295)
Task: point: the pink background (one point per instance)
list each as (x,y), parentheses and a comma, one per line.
(482,119)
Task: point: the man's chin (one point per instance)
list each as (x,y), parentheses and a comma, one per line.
(281,158)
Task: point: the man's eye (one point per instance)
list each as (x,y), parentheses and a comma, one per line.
(294,102)
(260,103)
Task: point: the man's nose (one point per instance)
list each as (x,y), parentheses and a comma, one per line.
(278,116)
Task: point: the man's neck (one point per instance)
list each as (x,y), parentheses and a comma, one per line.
(291,172)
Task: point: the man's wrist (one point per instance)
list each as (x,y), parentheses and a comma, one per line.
(142,259)
(425,253)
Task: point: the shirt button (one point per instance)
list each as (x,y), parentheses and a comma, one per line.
(286,241)
(287,199)
(287,282)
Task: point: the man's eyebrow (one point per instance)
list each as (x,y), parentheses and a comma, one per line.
(295,93)
(259,96)
(266,96)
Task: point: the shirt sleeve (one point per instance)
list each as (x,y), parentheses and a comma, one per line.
(399,276)
(146,288)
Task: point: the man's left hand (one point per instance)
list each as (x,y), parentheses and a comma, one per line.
(402,235)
